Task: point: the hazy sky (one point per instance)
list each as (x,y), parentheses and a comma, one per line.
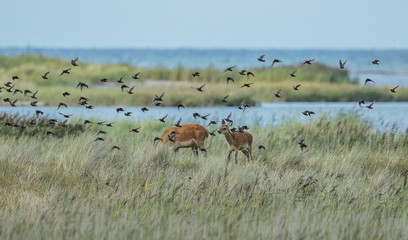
(205,24)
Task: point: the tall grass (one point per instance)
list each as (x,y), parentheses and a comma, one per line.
(349,183)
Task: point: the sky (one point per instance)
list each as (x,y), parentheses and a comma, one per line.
(256,24)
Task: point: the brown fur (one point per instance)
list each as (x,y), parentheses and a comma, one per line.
(237,141)
(189,135)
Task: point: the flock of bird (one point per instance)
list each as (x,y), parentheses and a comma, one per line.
(159,100)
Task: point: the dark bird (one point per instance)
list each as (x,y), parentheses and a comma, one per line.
(100,123)
(158,104)
(144,109)
(371,105)
(230,79)
(275,61)
(66,115)
(66,94)
(228,119)
(115,147)
(49,133)
(64,123)
(213,132)
(260,147)
(119,110)
(65,71)
(10,89)
(44,76)
(6,100)
(375,62)
(83,103)
(296,88)
(225,98)
(74,62)
(104,80)
(308,113)
(17,91)
(135,130)
(360,103)
(136,76)
(14,78)
(99,139)
(229,69)
(102,132)
(121,79)
(205,117)
(247,85)
(180,106)
(308,61)
(178,123)
(38,113)
(240,129)
(245,106)
(245,127)
(123,87)
(212,122)
(13,104)
(34,96)
(131,90)
(242,72)
(109,124)
(62,105)
(292,74)
(342,64)
(200,89)
(27,92)
(277,94)
(87,122)
(261,58)
(172,135)
(34,103)
(157,139)
(233,129)
(162,119)
(81,85)
(52,121)
(128,114)
(89,107)
(250,73)
(302,145)
(196,115)
(368,80)
(196,74)
(8,84)
(158,99)
(83,99)
(393,89)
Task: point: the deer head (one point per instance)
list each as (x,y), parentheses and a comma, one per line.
(224,127)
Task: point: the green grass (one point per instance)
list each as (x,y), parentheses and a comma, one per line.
(319,83)
(350,183)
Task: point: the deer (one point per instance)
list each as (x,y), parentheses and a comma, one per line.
(237,141)
(188,135)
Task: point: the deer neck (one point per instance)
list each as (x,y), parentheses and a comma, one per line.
(229,138)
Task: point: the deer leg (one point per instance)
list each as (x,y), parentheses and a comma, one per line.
(229,155)
(195,150)
(246,152)
(236,156)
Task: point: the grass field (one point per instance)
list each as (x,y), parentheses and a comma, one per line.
(350,183)
(318,83)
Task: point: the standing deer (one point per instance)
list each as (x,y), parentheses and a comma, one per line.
(237,141)
(188,135)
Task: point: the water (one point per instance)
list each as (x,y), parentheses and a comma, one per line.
(384,116)
(393,68)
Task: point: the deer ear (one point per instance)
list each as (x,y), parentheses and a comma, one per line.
(230,124)
(223,122)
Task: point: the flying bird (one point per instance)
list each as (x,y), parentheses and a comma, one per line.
(230,79)
(229,69)
(131,90)
(296,88)
(74,62)
(196,74)
(225,98)
(180,106)
(123,87)
(158,99)
(135,130)
(115,147)
(144,109)
(104,80)
(247,85)
(368,80)
(66,94)
(261,58)
(157,139)
(292,74)
(128,114)
(119,110)
(302,144)
(62,105)
(375,62)
(121,79)
(178,123)
(200,89)
(65,71)
(393,89)
(361,102)
(308,61)
(38,113)
(250,73)
(275,61)
(81,85)
(162,119)
(44,76)
(277,94)
(14,78)
(196,115)
(34,96)
(205,117)
(342,64)
(370,106)
(34,103)
(136,76)
(242,72)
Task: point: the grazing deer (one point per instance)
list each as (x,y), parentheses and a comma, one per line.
(188,135)
(237,141)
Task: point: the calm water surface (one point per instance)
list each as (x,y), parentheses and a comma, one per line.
(383,116)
